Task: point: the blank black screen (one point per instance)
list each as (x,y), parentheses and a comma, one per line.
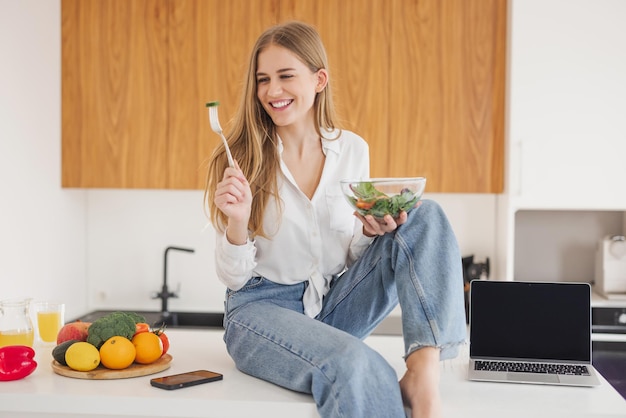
(530,320)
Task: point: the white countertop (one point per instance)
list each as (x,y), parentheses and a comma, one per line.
(611,301)
(46,394)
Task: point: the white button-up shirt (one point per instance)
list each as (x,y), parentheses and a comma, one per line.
(315,239)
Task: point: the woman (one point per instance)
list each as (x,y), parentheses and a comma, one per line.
(307,277)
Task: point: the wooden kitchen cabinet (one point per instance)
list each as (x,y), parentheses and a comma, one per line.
(209,43)
(114,93)
(447,84)
(422,82)
(136,77)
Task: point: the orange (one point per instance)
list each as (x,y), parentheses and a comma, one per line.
(148,347)
(117,353)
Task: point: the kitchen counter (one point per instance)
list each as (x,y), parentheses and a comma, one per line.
(45,394)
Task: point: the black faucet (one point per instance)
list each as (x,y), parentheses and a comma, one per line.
(165,294)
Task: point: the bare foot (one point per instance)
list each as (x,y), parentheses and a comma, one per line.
(420,384)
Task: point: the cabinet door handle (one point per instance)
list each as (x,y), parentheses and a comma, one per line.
(517,168)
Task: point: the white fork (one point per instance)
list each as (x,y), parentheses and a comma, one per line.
(215,125)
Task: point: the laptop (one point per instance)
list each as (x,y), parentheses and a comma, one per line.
(531,332)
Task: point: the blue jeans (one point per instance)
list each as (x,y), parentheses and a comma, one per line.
(418,266)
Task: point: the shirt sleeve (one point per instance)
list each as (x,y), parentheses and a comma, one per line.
(360,242)
(234,263)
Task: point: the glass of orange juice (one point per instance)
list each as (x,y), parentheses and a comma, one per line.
(50,318)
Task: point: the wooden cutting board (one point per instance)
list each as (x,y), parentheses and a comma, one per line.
(102,373)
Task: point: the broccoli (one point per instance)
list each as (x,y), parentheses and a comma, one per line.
(116,323)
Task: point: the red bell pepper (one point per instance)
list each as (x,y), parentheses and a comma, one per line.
(16,362)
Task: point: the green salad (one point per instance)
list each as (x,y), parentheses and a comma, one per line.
(370,201)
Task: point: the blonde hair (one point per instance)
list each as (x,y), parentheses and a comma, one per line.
(253,140)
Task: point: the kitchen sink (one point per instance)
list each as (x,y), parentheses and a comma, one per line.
(171,320)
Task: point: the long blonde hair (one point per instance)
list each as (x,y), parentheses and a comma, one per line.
(253,140)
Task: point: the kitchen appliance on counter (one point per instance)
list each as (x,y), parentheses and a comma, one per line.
(609,319)
(610,271)
(472,270)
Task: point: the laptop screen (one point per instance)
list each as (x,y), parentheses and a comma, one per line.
(530,320)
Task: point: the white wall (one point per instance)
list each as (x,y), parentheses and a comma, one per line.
(42,227)
(128,231)
(104,248)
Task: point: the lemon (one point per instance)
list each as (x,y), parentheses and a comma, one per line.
(82,356)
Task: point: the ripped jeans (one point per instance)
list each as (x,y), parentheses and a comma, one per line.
(418,266)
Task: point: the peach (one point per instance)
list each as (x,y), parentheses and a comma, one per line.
(73,331)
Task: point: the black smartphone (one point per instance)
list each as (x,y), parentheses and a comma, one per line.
(183,380)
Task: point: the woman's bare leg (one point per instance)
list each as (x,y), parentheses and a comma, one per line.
(420,383)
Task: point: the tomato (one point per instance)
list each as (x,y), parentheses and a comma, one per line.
(361,204)
(141,327)
(164,340)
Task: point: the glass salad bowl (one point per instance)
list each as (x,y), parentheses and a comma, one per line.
(383,196)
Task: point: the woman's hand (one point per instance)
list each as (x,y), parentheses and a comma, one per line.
(234,198)
(376,226)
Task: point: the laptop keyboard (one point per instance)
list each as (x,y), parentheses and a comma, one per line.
(526,367)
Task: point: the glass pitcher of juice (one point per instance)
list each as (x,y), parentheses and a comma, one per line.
(16,327)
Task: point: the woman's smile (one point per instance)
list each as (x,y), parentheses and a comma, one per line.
(281,104)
